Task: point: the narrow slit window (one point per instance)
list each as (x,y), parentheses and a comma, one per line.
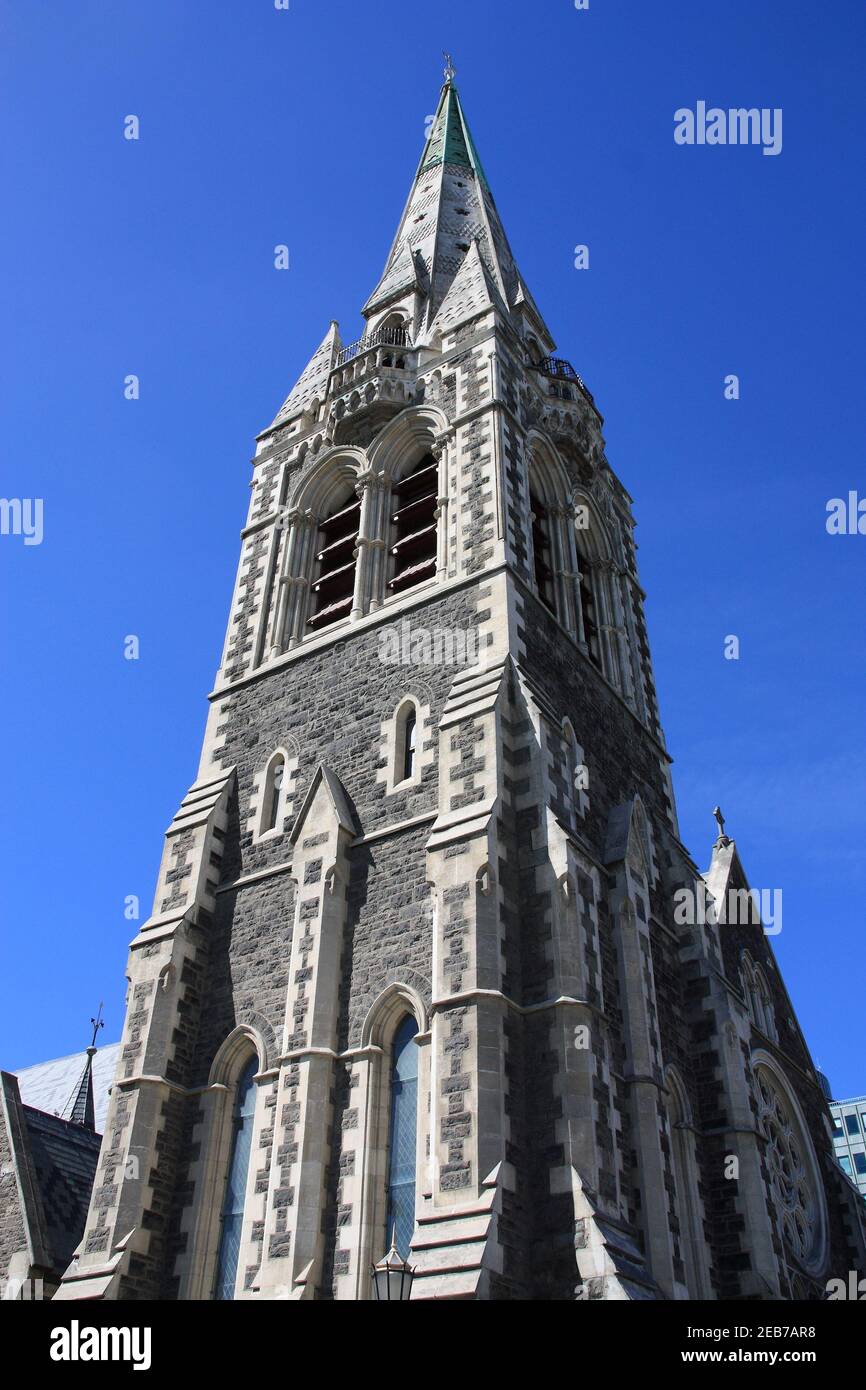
(413,526)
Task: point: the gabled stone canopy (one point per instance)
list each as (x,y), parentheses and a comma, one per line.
(313,381)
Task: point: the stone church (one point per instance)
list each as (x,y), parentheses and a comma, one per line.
(417,966)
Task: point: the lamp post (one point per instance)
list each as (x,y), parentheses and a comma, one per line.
(392,1276)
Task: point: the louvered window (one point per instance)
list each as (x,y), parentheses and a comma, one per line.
(413,526)
(541,552)
(590,621)
(333,588)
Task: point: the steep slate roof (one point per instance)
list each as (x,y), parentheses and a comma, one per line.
(53,1086)
(313,380)
(471,290)
(63,1157)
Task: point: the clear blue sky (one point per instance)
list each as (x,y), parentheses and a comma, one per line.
(261,127)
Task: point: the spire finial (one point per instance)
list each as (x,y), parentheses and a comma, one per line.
(97,1024)
(81,1100)
(720,822)
(450,71)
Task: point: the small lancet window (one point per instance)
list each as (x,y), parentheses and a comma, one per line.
(541,552)
(232,1215)
(413,525)
(402,1138)
(273,794)
(410,729)
(333,588)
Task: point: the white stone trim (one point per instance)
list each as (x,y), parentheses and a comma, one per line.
(260,795)
(391,745)
(197,1265)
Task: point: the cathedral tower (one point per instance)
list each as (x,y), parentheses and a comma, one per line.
(426,952)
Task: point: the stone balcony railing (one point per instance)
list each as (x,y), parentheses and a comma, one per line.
(383,337)
(559,367)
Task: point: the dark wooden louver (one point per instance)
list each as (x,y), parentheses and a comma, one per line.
(541,552)
(333,588)
(590,625)
(413,525)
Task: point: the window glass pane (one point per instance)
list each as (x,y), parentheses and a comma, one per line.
(409,747)
(401,1155)
(232,1217)
(860,1162)
(851,1124)
(837,1126)
(846,1165)
(276,785)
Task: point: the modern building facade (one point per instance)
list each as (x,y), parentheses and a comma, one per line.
(427,954)
(849,1138)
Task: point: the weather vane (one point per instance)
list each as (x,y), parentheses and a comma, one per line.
(97,1024)
(450,72)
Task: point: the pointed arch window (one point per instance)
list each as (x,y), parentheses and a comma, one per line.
(333,587)
(414,502)
(687,1203)
(232,1215)
(402,1135)
(403,749)
(757,994)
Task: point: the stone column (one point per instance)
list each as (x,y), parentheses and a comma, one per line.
(605,622)
(644,1072)
(564,556)
(374,490)
(294,581)
(440,451)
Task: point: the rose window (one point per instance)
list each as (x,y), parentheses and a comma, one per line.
(790,1172)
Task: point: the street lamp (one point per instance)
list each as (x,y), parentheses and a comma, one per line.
(392,1276)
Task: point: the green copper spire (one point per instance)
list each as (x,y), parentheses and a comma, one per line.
(449,209)
(449,141)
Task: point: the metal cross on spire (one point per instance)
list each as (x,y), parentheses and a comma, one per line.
(450,70)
